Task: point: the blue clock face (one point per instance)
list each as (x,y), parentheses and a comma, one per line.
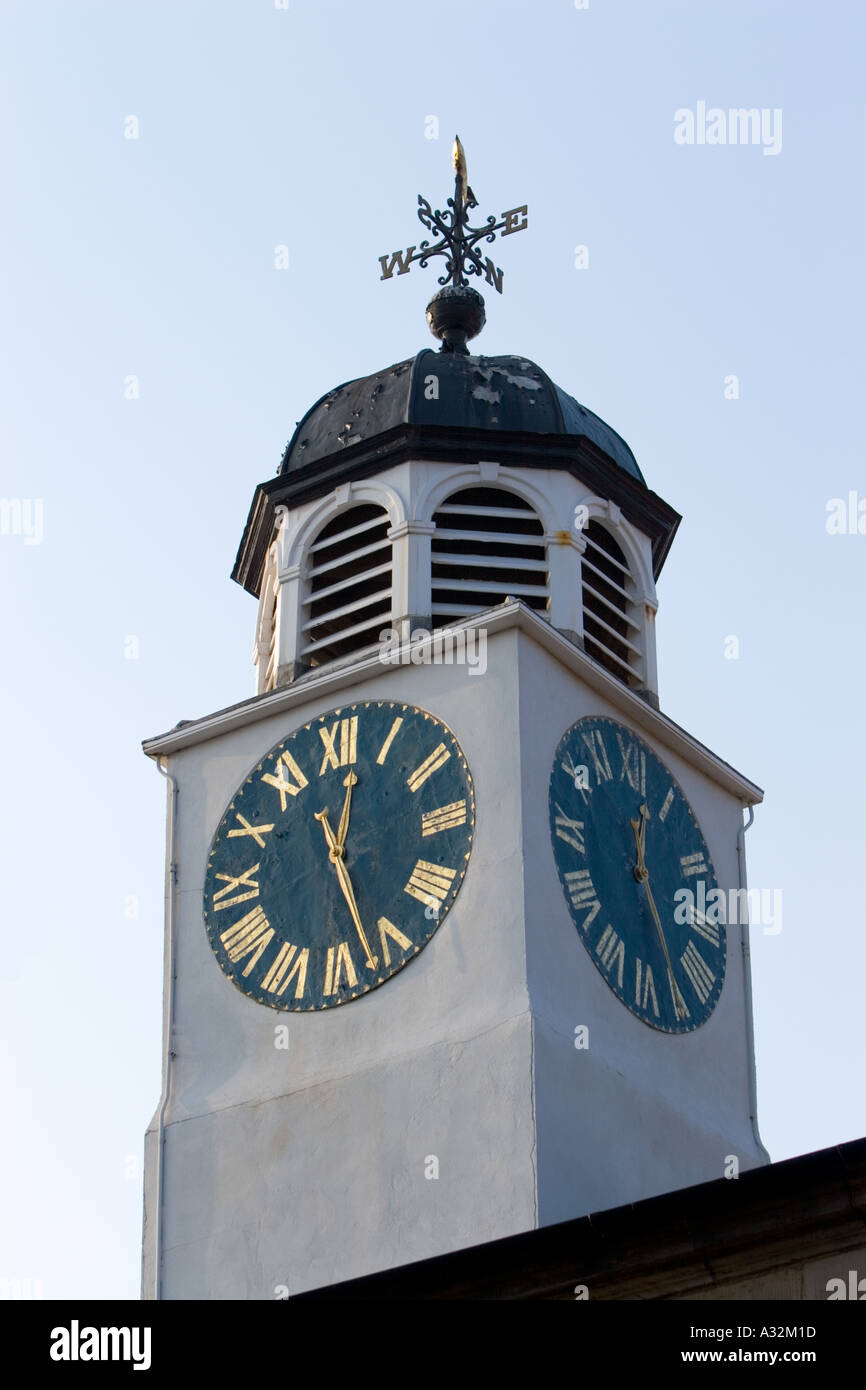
(637,875)
(339,856)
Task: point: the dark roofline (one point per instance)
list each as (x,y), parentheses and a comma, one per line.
(691,1241)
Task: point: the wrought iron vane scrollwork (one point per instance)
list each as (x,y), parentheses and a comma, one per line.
(458,241)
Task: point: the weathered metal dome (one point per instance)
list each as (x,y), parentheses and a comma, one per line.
(452,391)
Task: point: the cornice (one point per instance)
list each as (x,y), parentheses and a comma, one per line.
(326,683)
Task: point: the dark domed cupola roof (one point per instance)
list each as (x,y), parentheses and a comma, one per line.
(450,410)
(451,391)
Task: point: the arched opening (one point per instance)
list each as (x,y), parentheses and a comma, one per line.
(611,634)
(348,585)
(488,544)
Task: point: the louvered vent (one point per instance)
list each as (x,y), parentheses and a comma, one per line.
(266,633)
(611,636)
(487,544)
(271,670)
(348,585)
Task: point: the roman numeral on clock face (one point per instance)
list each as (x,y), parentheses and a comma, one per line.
(700,974)
(347,731)
(392,734)
(598,753)
(633,768)
(337,964)
(693,864)
(611,952)
(387,929)
(283,971)
(426,769)
(697,920)
(429,883)
(443,818)
(644,987)
(583,896)
(243,888)
(248,937)
(285,785)
(256,831)
(569,830)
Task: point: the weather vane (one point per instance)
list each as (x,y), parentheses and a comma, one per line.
(456,312)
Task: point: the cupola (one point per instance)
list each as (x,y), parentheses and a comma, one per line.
(436,488)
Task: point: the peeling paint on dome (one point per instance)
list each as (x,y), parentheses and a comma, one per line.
(528,383)
(472,393)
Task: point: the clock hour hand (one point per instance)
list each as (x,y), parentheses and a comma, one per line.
(639,828)
(343,827)
(641,873)
(336,854)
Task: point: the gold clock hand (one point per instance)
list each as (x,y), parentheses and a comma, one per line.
(348,894)
(639,828)
(679,1002)
(322,818)
(335,854)
(641,873)
(343,827)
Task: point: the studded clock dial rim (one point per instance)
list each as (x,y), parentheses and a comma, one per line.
(420,817)
(621,900)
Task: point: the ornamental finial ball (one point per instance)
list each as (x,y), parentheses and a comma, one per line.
(455,314)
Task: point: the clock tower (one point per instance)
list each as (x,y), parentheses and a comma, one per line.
(455,941)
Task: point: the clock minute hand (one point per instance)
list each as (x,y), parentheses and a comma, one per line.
(679,1003)
(641,873)
(335,854)
(349,895)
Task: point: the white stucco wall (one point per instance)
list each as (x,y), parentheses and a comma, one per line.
(305,1166)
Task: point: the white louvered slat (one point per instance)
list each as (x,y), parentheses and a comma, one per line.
(619,641)
(486,586)
(597,550)
(343,584)
(453,610)
(612,656)
(626,593)
(368,625)
(352,555)
(489,562)
(612,606)
(449,509)
(490,537)
(339,536)
(334,613)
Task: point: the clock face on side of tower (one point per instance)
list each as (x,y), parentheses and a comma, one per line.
(339,856)
(637,875)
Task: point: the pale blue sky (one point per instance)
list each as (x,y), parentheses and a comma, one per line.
(155,257)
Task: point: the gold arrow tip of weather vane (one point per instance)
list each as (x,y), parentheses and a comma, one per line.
(458,155)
